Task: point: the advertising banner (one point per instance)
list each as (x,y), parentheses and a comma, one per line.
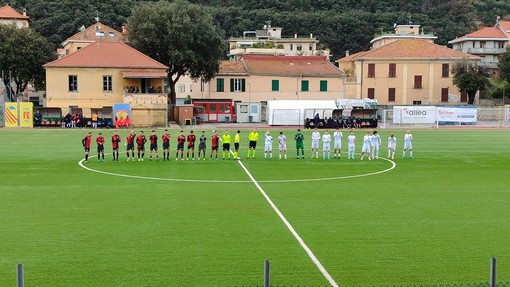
(11,115)
(457,115)
(414,114)
(26,112)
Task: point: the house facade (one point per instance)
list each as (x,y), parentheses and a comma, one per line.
(404,72)
(269,41)
(488,43)
(98,76)
(10,16)
(262,78)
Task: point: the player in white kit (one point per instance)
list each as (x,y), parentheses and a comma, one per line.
(326,145)
(408,144)
(282,145)
(392,145)
(337,135)
(367,144)
(316,137)
(268,145)
(376,143)
(351,141)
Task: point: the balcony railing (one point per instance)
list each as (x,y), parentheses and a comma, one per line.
(486,50)
(145,98)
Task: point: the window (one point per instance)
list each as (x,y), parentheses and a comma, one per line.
(391,94)
(371,70)
(501,45)
(304,86)
(220,85)
(299,47)
(237,85)
(371,93)
(482,44)
(107,84)
(324,86)
(416,103)
(291,47)
(463,97)
(181,88)
(392,73)
(275,85)
(446,71)
(111,34)
(212,108)
(73,83)
(417,82)
(310,47)
(444,95)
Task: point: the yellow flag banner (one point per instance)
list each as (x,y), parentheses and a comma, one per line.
(11,115)
(26,115)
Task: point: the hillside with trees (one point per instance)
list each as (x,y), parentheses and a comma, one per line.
(340,25)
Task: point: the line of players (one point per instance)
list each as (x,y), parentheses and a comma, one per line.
(370,148)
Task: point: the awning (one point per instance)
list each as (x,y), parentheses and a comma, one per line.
(144,74)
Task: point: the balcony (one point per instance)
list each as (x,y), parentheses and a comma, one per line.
(257,51)
(490,65)
(493,51)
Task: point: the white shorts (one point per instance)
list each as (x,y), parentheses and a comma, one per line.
(268,147)
(366,148)
(282,146)
(315,144)
(326,146)
(408,146)
(392,147)
(375,147)
(338,145)
(351,147)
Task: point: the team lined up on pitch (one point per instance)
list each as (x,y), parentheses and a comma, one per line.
(370,148)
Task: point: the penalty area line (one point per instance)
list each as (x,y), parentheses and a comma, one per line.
(291,229)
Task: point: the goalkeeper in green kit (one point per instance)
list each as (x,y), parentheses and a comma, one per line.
(299,137)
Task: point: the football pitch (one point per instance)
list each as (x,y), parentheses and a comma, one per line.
(434,219)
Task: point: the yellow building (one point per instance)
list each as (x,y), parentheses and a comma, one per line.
(100,75)
(263,78)
(404,72)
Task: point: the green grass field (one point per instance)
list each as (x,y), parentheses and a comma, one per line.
(434,219)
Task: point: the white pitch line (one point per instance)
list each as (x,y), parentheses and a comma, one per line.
(291,229)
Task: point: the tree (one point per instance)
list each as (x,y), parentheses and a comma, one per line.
(180,35)
(470,77)
(504,65)
(23,52)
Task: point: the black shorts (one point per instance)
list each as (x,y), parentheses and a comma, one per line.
(252,144)
(226,146)
(201,146)
(191,146)
(141,148)
(100,148)
(154,146)
(130,147)
(166,145)
(180,146)
(87,149)
(236,146)
(214,148)
(115,148)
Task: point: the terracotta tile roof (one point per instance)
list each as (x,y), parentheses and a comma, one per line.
(7,12)
(505,25)
(97,32)
(290,66)
(411,49)
(232,68)
(487,32)
(107,55)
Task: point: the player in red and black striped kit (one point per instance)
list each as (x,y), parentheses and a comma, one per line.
(100,147)
(130,145)
(214,144)
(191,138)
(115,145)
(86,145)
(140,145)
(154,144)
(166,145)
(181,139)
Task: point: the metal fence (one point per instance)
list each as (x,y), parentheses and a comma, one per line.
(482,284)
(493,117)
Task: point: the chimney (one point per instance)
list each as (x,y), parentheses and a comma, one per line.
(311,35)
(347,53)
(24,12)
(124,29)
(295,35)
